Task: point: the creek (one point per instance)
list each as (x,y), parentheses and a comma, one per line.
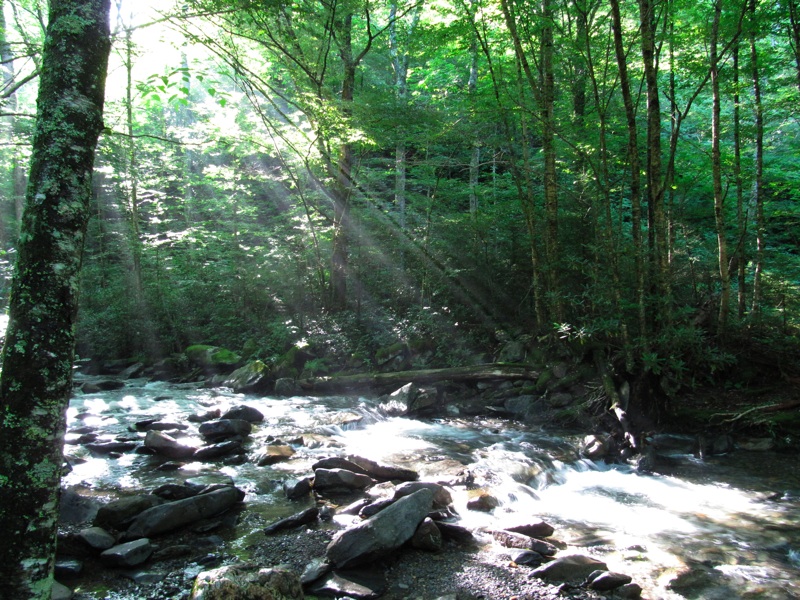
(719,528)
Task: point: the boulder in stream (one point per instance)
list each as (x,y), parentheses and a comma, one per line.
(128,554)
(166,445)
(247,581)
(333,480)
(173,515)
(221,429)
(381,534)
(571,568)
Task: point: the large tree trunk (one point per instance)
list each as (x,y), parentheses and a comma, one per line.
(37,358)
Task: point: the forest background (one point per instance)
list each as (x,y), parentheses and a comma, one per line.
(343,175)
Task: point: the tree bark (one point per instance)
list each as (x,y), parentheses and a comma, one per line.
(716,176)
(37,358)
(758,181)
(379,382)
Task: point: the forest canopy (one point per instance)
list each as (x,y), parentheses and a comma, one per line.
(342,175)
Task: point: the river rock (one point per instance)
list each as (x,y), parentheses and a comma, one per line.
(117,513)
(67,567)
(527,557)
(75,508)
(60,592)
(173,515)
(128,554)
(305,517)
(174,491)
(456,533)
(356,584)
(297,488)
(572,568)
(441,496)
(104,448)
(286,386)
(252,378)
(166,445)
(245,413)
(383,472)
(340,480)
(221,429)
(629,590)
(275,453)
(96,538)
(203,417)
(314,570)
(427,536)
(510,539)
(247,581)
(538,529)
(381,534)
(409,400)
(483,501)
(155,425)
(219,450)
(605,581)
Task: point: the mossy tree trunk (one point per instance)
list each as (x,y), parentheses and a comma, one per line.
(37,359)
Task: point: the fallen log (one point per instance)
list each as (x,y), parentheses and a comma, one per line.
(380,382)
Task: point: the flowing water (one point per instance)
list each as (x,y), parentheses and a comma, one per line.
(718,528)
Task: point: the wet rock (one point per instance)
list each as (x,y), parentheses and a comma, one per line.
(410,400)
(174,491)
(155,425)
(180,513)
(427,536)
(252,378)
(274,454)
(456,533)
(236,582)
(441,496)
(630,590)
(605,581)
(206,416)
(286,386)
(60,592)
(510,539)
(216,431)
(572,568)
(559,399)
(359,585)
(220,450)
(381,534)
(483,501)
(539,529)
(68,567)
(314,570)
(373,508)
(96,538)
(383,472)
(117,513)
(128,554)
(340,479)
(166,445)
(305,517)
(245,413)
(76,508)
(595,447)
(527,557)
(297,488)
(106,385)
(107,448)
(172,552)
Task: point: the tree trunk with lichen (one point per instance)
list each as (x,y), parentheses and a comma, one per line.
(37,358)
